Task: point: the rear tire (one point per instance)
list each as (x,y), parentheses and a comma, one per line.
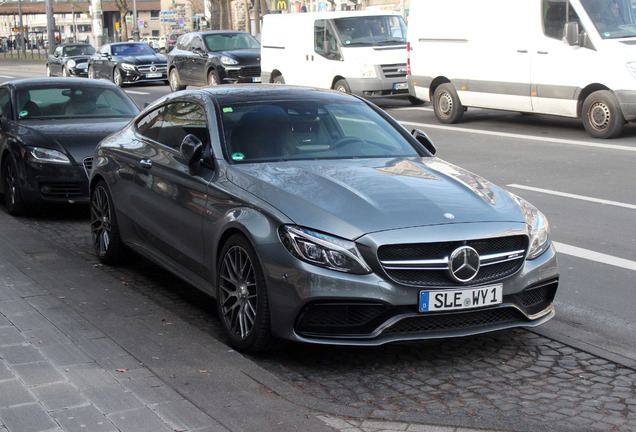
(342,86)
(242,299)
(602,116)
(279,79)
(104,227)
(446,104)
(16,206)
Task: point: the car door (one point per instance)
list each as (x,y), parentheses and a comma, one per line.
(170,197)
(55,62)
(198,61)
(100,62)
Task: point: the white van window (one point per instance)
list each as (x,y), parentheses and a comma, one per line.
(371,30)
(554,17)
(325,42)
(612,18)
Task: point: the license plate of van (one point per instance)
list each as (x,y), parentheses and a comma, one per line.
(400,86)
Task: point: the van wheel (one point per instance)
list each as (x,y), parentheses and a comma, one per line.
(342,86)
(279,80)
(446,104)
(602,116)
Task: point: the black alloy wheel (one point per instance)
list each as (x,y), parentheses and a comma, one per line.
(242,300)
(11,186)
(118,79)
(104,229)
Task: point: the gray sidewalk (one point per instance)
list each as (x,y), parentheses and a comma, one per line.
(79,351)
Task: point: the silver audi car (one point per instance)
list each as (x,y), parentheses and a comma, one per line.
(314,216)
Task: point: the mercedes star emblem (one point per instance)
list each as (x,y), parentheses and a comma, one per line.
(464,264)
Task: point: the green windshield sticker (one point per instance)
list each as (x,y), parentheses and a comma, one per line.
(238,156)
(229,109)
(24,113)
(607,34)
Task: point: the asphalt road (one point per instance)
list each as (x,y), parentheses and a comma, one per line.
(584,186)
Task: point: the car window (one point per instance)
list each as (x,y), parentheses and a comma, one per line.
(104,50)
(72,101)
(230,41)
(132,49)
(325,42)
(197,43)
(554,17)
(286,130)
(184,41)
(169,124)
(5,102)
(58,51)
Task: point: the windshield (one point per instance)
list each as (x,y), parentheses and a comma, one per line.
(78,50)
(303,130)
(371,30)
(230,41)
(132,49)
(73,102)
(612,18)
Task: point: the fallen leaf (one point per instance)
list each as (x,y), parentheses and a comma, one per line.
(122,370)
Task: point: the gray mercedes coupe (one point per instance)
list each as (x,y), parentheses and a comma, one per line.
(314,216)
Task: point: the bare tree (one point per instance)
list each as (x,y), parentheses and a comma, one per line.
(122,7)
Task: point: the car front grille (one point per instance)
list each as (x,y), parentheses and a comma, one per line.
(394,70)
(244,72)
(147,68)
(88,165)
(426,264)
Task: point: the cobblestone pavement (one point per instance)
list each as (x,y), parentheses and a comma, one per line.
(514,380)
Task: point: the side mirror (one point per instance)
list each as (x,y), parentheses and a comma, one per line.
(192,150)
(571,33)
(424,140)
(198,50)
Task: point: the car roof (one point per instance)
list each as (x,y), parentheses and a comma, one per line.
(61,82)
(269,92)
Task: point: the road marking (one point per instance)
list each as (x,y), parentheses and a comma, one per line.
(525,137)
(595,256)
(136,92)
(579,197)
(6,76)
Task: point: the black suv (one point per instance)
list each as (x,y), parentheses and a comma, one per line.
(212,58)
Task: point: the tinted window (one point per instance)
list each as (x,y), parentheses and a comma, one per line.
(150,125)
(197,43)
(132,49)
(77,50)
(171,123)
(5,103)
(285,130)
(554,17)
(230,41)
(371,30)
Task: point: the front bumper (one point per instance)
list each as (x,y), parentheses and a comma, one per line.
(627,101)
(242,74)
(316,305)
(143,76)
(80,70)
(54,183)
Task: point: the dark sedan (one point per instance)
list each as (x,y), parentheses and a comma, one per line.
(127,63)
(69,60)
(49,128)
(314,216)
(212,58)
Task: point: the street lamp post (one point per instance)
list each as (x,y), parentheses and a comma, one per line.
(135,30)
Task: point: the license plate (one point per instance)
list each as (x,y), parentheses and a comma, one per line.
(153,75)
(400,86)
(461,299)
(256,79)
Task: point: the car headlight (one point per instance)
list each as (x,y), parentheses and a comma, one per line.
(128,67)
(538,228)
(631,67)
(368,71)
(323,250)
(228,61)
(44,155)
(70,63)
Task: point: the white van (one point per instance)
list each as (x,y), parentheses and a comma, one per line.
(573,58)
(363,53)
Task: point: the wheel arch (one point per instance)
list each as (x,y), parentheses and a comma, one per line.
(584,93)
(273,75)
(335,80)
(436,83)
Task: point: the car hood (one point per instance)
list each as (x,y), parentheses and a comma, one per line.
(78,59)
(243,56)
(353,198)
(143,59)
(76,137)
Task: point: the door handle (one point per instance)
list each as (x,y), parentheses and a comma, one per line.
(522,51)
(145,163)
(542,52)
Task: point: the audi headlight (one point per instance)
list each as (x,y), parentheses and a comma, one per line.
(44,155)
(631,67)
(323,250)
(368,71)
(538,228)
(228,61)
(128,66)
(70,63)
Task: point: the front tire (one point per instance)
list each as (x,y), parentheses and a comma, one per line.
(104,227)
(446,104)
(242,299)
(602,116)
(174,81)
(213,79)
(342,86)
(16,205)
(91,72)
(118,79)
(48,70)
(65,72)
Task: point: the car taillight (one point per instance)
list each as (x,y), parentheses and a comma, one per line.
(408,58)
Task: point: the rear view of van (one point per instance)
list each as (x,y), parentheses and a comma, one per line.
(573,58)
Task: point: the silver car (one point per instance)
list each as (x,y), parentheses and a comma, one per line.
(314,216)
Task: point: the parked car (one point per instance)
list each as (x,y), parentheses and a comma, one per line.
(127,63)
(212,58)
(49,128)
(312,215)
(171,41)
(69,60)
